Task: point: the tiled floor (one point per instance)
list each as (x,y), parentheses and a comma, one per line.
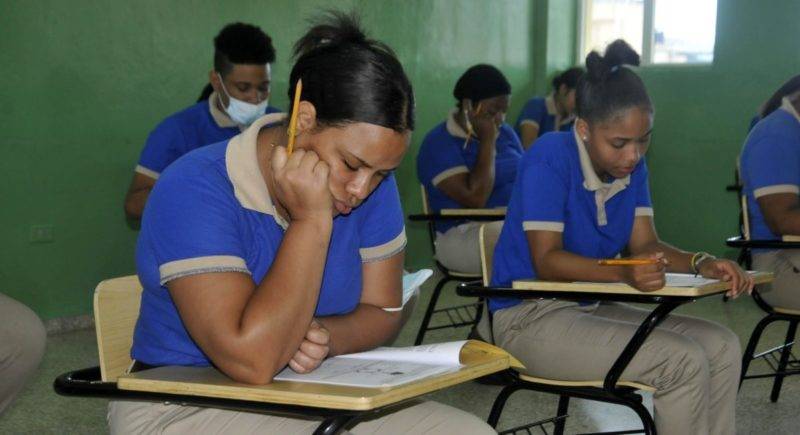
(40,411)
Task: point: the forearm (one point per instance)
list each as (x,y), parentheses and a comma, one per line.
(134,203)
(276,317)
(560,265)
(480,181)
(787,224)
(678,260)
(363,329)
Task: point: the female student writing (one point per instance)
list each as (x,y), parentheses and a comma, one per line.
(770,167)
(556,112)
(470,161)
(254,257)
(581,196)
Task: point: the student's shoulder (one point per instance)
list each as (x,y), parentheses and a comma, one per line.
(554,146)
(191,115)
(434,136)
(203,166)
(780,130)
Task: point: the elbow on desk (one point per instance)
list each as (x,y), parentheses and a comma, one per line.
(254,374)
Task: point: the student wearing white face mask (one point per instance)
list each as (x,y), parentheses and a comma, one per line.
(241,86)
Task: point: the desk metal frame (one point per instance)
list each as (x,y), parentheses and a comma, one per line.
(87,383)
(458,315)
(780,359)
(609,392)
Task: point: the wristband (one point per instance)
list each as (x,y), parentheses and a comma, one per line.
(698,258)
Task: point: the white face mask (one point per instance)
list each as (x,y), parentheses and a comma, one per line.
(242,112)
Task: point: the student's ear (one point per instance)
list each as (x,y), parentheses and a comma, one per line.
(582,127)
(306,117)
(213,78)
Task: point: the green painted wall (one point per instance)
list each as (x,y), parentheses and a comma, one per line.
(83,82)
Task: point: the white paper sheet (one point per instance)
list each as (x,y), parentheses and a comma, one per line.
(365,373)
(436,354)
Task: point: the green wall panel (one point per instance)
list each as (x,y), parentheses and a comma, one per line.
(83,82)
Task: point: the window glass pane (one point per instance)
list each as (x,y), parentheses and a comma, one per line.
(684,30)
(607,20)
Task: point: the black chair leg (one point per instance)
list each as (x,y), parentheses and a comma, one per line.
(426,320)
(500,402)
(563,410)
(747,357)
(648,425)
(785,353)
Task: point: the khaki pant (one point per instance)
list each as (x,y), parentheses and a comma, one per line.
(458,250)
(413,418)
(22,340)
(693,364)
(784,291)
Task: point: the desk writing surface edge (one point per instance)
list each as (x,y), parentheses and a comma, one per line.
(617,288)
(209,382)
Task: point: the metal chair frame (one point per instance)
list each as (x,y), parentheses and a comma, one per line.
(457,315)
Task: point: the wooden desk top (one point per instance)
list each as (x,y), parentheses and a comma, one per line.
(499,211)
(478,359)
(620,288)
(788,238)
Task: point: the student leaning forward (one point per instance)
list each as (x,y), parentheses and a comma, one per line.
(253,258)
(583,195)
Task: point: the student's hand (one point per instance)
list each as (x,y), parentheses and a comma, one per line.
(727,270)
(301,181)
(646,277)
(313,350)
(484,125)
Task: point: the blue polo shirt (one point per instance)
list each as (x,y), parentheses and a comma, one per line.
(201,124)
(770,164)
(443,154)
(211,212)
(557,190)
(542,113)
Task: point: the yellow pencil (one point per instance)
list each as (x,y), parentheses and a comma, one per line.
(470,132)
(298,89)
(628,262)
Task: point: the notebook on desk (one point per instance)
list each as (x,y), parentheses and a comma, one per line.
(475,359)
(678,284)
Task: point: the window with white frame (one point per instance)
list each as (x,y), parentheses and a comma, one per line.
(661,31)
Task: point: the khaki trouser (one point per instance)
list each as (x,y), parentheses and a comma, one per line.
(22,340)
(784,291)
(419,417)
(458,250)
(693,364)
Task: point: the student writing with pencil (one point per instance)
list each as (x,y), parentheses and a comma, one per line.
(253,258)
(469,161)
(581,196)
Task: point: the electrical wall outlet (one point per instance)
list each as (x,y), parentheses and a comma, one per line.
(41,234)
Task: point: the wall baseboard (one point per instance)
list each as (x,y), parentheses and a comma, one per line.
(60,325)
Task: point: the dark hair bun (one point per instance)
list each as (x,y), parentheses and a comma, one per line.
(338,28)
(349,77)
(618,53)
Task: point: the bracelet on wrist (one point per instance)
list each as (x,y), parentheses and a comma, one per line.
(698,258)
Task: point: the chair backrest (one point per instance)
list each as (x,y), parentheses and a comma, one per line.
(488,235)
(426,209)
(745,218)
(116,309)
